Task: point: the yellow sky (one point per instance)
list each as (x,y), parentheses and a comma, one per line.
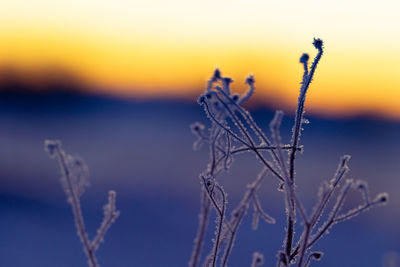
(158,47)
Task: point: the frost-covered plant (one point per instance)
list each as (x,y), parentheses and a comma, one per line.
(234,131)
(74,179)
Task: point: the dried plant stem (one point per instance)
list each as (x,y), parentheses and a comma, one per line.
(229,234)
(307,78)
(203,224)
(73,199)
(220,223)
(240,212)
(74,179)
(251,146)
(307,230)
(232,125)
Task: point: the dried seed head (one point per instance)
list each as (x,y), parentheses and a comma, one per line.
(382,198)
(201,99)
(258,259)
(317,255)
(304,58)
(216,75)
(235,97)
(228,80)
(318,43)
(250,80)
(196,127)
(361,185)
(51,146)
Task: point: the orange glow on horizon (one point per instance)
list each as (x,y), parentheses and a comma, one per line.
(154,49)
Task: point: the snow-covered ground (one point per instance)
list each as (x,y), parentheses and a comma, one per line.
(143,150)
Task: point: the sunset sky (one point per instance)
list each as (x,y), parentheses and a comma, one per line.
(159,48)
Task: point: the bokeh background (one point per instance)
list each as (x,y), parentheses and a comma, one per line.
(117,82)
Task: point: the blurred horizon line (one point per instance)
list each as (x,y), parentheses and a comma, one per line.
(43,81)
